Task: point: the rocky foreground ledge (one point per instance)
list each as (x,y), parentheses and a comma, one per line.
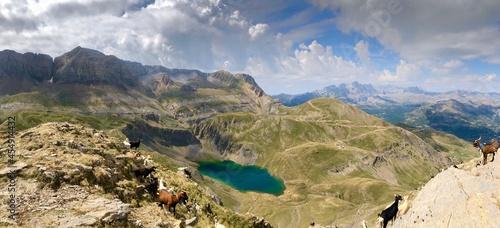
(75,176)
(465,197)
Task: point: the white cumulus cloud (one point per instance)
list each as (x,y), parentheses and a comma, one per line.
(490,77)
(363,52)
(318,63)
(257,30)
(404,72)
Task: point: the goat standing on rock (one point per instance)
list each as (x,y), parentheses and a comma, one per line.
(389,213)
(486,149)
(171,200)
(135,145)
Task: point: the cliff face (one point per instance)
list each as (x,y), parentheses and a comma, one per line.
(212,131)
(252,85)
(19,72)
(163,136)
(466,197)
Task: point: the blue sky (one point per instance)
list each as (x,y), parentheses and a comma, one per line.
(288,46)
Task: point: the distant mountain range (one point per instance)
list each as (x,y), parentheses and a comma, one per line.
(466,114)
(368,95)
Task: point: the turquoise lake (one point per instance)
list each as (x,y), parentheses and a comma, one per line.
(242,178)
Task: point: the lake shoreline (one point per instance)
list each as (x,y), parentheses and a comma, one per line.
(242,178)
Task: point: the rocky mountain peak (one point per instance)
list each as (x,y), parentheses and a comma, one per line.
(357,89)
(86,66)
(81,52)
(224,78)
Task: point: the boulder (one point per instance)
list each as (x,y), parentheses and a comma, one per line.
(107,210)
(13,169)
(457,198)
(77,221)
(192,221)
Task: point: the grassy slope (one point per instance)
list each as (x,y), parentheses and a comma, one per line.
(324,150)
(27,119)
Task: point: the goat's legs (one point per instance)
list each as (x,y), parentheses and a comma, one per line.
(485,158)
(493,156)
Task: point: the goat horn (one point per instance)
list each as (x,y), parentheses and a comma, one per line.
(479,138)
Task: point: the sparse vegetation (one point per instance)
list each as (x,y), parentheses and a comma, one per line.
(28,119)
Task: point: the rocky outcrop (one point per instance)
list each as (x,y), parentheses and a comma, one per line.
(160,84)
(457,198)
(260,223)
(253,85)
(224,78)
(187,88)
(164,136)
(211,131)
(99,211)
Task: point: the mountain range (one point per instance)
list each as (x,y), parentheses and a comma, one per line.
(339,164)
(86,80)
(370,95)
(466,114)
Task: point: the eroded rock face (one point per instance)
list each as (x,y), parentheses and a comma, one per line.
(88,66)
(457,198)
(20,72)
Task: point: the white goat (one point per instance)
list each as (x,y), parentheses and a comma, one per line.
(148,161)
(126,143)
(197,207)
(161,185)
(217,224)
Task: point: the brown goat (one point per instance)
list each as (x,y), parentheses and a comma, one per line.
(133,155)
(486,149)
(170,199)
